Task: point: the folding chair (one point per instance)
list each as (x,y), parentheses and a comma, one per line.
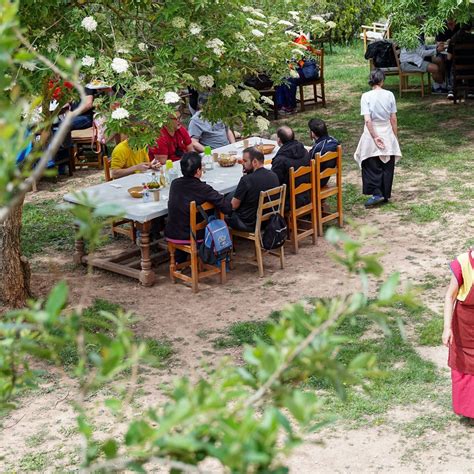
(199,270)
(270,202)
(324,192)
(302,220)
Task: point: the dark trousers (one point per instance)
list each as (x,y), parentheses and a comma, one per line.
(377,176)
(234,221)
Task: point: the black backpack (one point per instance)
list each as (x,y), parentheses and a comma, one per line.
(381,52)
(275,233)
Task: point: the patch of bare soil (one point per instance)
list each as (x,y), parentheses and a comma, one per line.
(191,322)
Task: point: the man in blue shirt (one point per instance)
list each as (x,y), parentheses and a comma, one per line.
(323,143)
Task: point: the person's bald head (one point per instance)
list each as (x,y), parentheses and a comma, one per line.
(285,134)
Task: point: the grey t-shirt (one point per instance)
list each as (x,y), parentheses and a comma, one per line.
(208,134)
(379,104)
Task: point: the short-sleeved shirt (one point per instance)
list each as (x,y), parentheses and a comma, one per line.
(248,193)
(379,104)
(208,134)
(173,146)
(89,113)
(124,157)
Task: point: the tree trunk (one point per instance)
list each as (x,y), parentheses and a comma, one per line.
(14,268)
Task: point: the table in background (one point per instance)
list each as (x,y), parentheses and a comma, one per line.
(137,263)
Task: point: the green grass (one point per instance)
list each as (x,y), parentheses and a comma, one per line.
(239,334)
(421,213)
(427,423)
(94,322)
(429,332)
(33,462)
(46,226)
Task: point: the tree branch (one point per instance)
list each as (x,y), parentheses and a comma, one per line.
(58,138)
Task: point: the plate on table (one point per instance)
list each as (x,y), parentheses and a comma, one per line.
(265,149)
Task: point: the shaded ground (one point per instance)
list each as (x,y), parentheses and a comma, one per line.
(425,226)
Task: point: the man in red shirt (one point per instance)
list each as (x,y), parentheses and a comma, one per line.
(173,142)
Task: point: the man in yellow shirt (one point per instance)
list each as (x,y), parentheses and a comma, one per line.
(126,161)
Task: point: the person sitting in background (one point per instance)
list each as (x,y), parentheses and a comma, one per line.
(173,142)
(183,191)
(126,161)
(442,40)
(204,133)
(246,197)
(323,143)
(416,60)
(291,154)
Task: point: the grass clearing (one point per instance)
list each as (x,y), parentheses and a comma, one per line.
(429,333)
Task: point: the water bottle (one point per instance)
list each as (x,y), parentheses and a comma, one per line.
(208,161)
(146,193)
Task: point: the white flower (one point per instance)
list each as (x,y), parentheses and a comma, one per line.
(120,113)
(293,73)
(246,96)
(123,49)
(217,46)
(172,98)
(89,23)
(142,46)
(258,13)
(262,123)
(206,81)
(258,33)
(294,15)
(88,61)
(247,9)
(194,29)
(266,99)
(29,66)
(120,65)
(285,23)
(331,24)
(253,22)
(228,91)
(52,46)
(239,36)
(178,22)
(292,33)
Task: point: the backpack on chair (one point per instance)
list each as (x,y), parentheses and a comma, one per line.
(217,245)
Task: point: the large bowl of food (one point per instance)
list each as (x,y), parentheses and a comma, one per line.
(136,192)
(265,149)
(225,160)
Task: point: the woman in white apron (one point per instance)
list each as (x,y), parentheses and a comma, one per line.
(378,148)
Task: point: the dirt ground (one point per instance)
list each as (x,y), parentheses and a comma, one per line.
(44,422)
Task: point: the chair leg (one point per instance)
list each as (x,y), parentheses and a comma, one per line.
(314,224)
(194,271)
(319,206)
(315,94)
(339,209)
(282,257)
(301,97)
(223,275)
(294,232)
(172,263)
(422,85)
(258,252)
(323,94)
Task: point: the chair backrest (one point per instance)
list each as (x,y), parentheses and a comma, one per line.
(463,65)
(396,53)
(319,58)
(328,172)
(108,176)
(304,187)
(270,202)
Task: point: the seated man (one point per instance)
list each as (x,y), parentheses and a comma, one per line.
(126,161)
(173,142)
(245,201)
(323,143)
(442,40)
(183,191)
(292,154)
(204,133)
(415,60)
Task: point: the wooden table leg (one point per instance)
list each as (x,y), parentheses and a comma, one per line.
(79,249)
(147,275)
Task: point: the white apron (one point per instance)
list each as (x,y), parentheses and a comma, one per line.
(367,147)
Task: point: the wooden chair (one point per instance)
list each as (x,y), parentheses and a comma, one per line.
(122,226)
(463,70)
(83,139)
(199,270)
(323,193)
(298,216)
(270,202)
(319,57)
(404,76)
(375,32)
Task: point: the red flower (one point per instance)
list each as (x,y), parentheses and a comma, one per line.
(68,85)
(57,93)
(51,84)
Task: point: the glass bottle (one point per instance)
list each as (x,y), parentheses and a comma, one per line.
(162,177)
(146,193)
(208,161)
(154,183)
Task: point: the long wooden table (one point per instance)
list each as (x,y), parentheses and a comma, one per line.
(138,263)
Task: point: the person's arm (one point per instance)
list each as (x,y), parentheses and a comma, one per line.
(393,122)
(239,194)
(121,172)
(235,203)
(218,199)
(449,301)
(190,147)
(370,127)
(230,135)
(197,146)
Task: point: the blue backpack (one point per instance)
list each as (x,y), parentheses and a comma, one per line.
(217,243)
